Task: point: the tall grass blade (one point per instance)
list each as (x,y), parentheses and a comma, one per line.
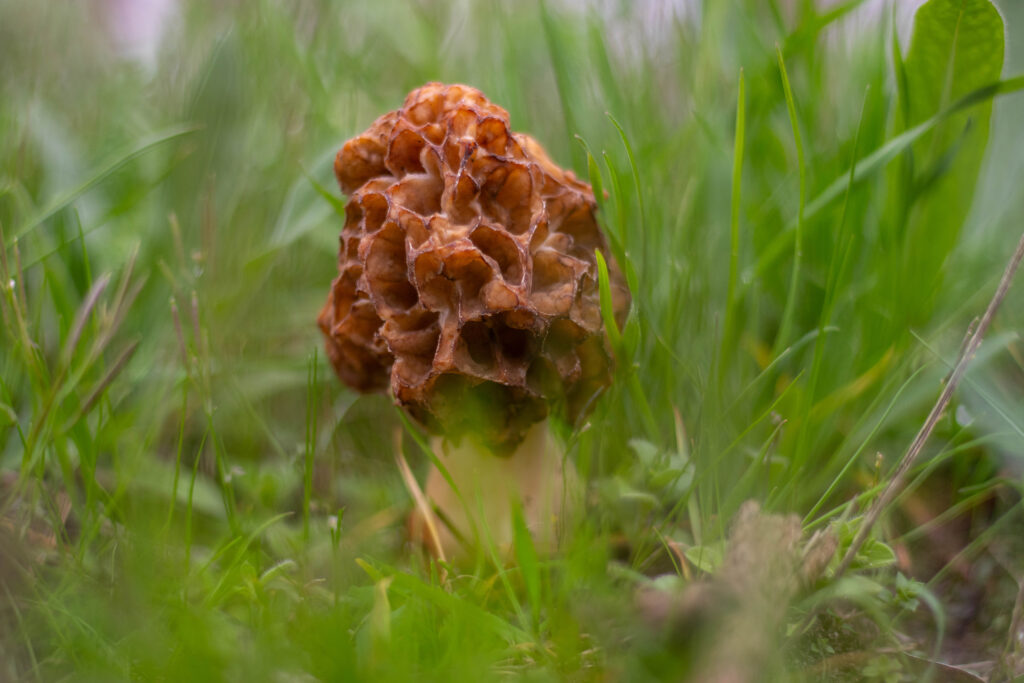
(789,310)
(98,175)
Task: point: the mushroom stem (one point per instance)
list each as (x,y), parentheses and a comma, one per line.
(536,476)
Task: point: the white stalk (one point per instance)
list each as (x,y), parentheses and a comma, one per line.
(536,476)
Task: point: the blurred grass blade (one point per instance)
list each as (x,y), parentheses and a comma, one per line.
(607,312)
(841,249)
(300,213)
(597,184)
(529,564)
(593,173)
(310,442)
(638,189)
(240,544)
(618,347)
(98,174)
(855,456)
(636,173)
(82,317)
(789,310)
(617,198)
(108,378)
(731,302)
(328,196)
(558,50)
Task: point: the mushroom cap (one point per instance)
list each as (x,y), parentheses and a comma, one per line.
(467,279)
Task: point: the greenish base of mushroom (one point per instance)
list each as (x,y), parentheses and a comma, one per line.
(537,477)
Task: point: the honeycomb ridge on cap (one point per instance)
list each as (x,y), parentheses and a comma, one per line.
(467,280)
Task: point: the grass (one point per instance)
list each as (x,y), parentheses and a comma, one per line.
(189,494)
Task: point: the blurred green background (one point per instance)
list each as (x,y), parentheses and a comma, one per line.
(154,443)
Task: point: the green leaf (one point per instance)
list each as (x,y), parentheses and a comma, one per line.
(285,566)
(647,454)
(957,47)
(874,555)
(371,571)
(327,195)
(862,591)
(707,558)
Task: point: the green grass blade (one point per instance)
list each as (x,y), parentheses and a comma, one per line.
(97,175)
(607,312)
(789,310)
(837,267)
(855,456)
(731,302)
(558,50)
(636,391)
(310,443)
(529,563)
(637,188)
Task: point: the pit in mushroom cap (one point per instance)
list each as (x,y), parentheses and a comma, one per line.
(467,273)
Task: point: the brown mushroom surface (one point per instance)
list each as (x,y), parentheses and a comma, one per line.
(467,276)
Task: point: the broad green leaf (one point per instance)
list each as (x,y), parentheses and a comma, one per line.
(707,558)
(957,47)
(628,493)
(647,453)
(856,588)
(874,555)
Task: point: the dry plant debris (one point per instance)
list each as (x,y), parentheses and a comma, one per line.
(738,615)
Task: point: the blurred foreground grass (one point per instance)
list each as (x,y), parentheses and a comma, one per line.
(189,494)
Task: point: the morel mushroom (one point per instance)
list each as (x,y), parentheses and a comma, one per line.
(468,284)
